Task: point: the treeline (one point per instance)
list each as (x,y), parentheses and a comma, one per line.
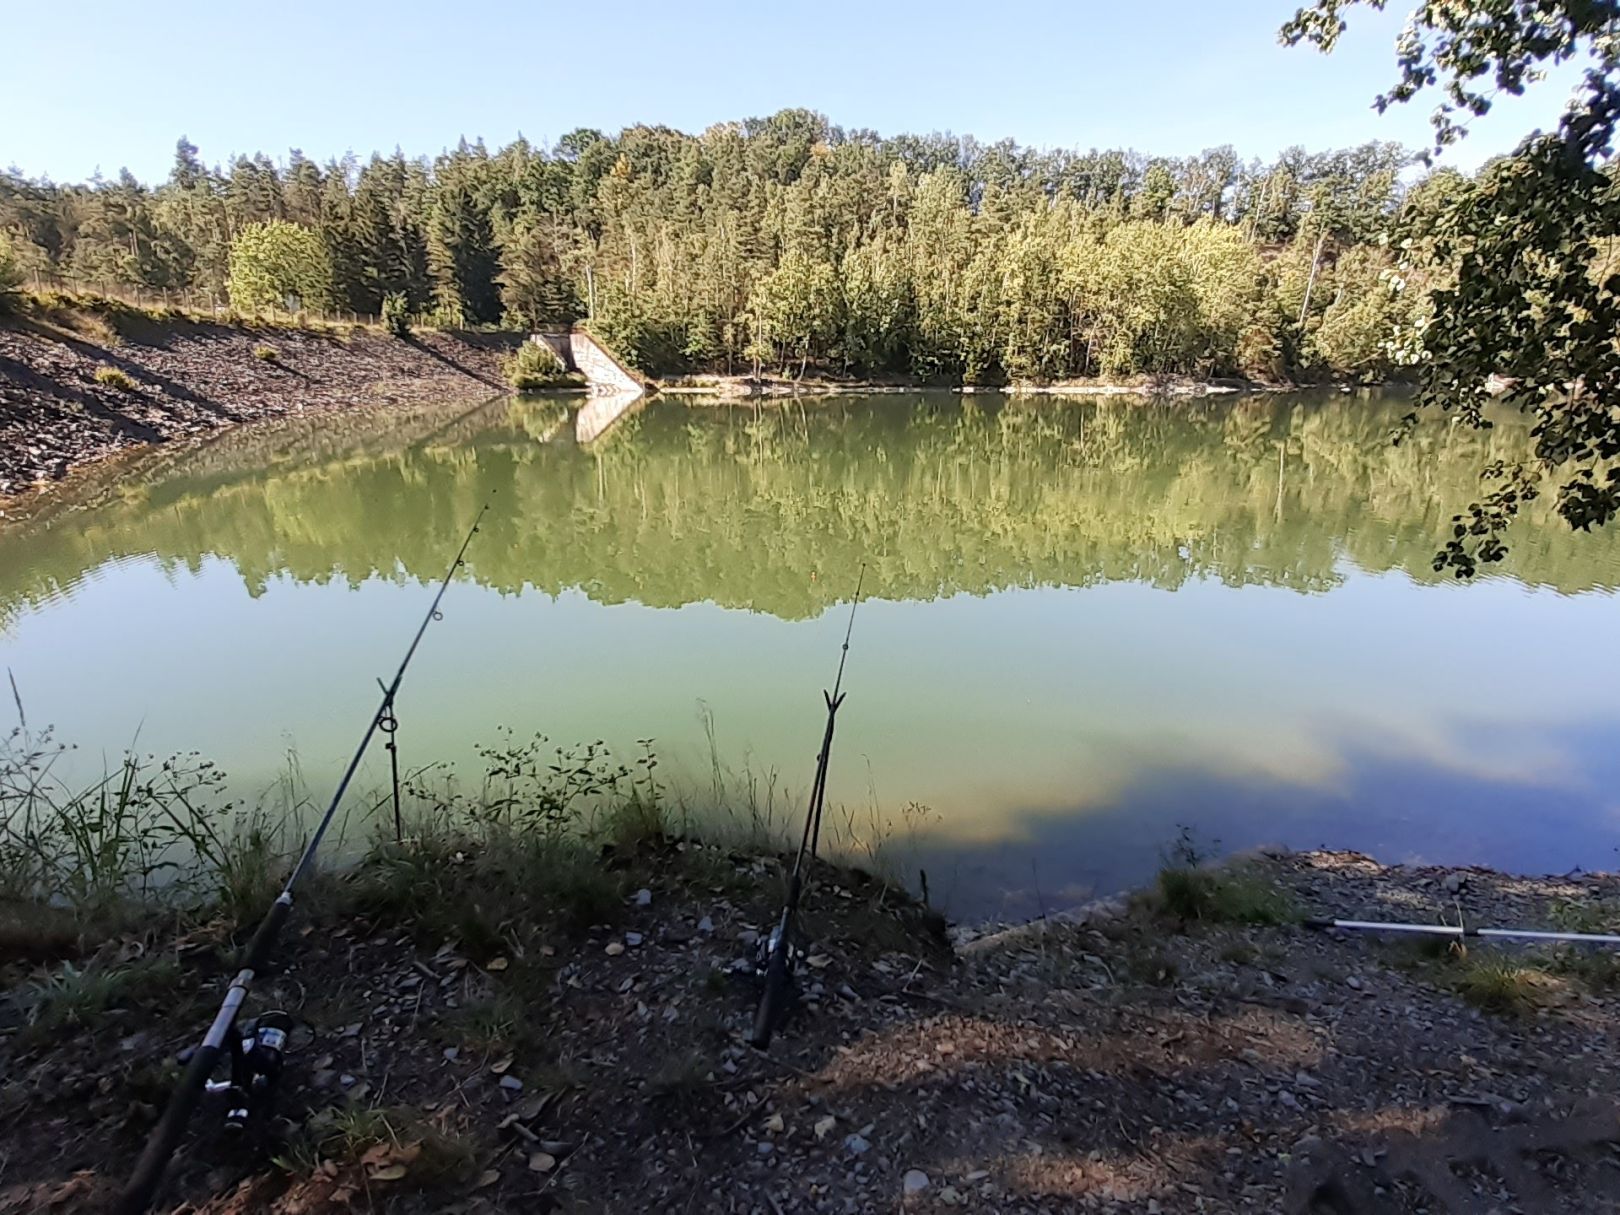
(786,242)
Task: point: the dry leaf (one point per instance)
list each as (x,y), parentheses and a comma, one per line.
(498,964)
(542,1162)
(774,1124)
(819,961)
(389,1172)
(486,1179)
(500,1066)
(377,1154)
(824,1126)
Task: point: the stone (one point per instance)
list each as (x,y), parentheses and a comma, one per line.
(512,1084)
(632,939)
(914,1182)
(856,1145)
(1454,882)
(614,948)
(643,898)
(705,925)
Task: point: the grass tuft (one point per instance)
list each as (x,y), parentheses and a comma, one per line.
(72,997)
(1223,897)
(1498,986)
(113,377)
(265,354)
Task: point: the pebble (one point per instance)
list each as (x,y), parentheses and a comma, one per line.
(1353,983)
(764,1149)
(451,1053)
(615,948)
(632,939)
(856,1145)
(748,938)
(914,1182)
(643,898)
(512,1084)
(1454,882)
(705,925)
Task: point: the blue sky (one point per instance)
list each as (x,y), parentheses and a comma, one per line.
(104,84)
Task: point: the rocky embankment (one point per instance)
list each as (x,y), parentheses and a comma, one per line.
(78,384)
(1195,1049)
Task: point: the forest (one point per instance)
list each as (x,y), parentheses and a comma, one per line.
(787,243)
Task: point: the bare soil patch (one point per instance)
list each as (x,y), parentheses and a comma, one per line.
(1119,1060)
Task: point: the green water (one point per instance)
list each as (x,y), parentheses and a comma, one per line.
(1089,620)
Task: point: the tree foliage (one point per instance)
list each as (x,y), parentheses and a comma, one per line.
(11,273)
(1526,306)
(278,264)
(788,243)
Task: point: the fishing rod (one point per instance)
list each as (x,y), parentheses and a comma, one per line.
(256,1049)
(1460,931)
(781,953)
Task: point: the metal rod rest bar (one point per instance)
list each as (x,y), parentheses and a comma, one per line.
(1453,930)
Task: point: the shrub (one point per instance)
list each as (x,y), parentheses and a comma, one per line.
(277,263)
(112,377)
(536,367)
(11,275)
(1190,890)
(396,314)
(265,354)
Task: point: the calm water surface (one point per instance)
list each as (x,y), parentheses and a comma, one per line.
(1090,621)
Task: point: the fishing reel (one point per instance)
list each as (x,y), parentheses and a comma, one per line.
(775,975)
(794,953)
(258,1051)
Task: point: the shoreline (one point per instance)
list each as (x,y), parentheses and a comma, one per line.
(1267,1066)
(82,381)
(745,387)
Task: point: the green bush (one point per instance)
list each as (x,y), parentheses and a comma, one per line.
(536,367)
(11,275)
(276,263)
(396,314)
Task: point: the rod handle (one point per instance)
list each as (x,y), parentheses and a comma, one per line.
(148,1174)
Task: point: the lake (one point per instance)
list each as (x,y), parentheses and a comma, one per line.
(1088,622)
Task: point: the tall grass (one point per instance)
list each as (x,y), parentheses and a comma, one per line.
(532,827)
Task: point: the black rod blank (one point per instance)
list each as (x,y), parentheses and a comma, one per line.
(143,1182)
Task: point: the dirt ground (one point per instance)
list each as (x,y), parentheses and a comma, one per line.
(1121,1059)
(184,378)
